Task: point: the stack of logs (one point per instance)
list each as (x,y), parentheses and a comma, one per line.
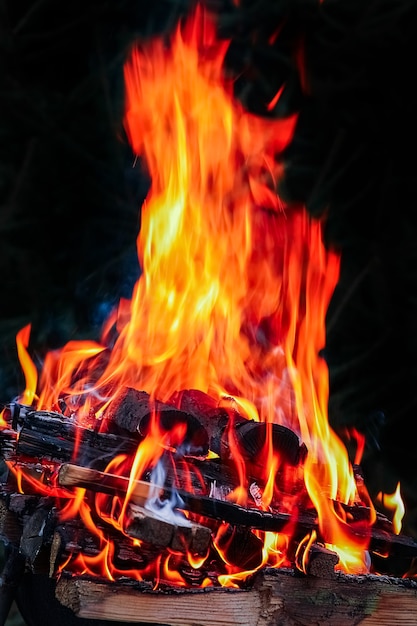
(60,453)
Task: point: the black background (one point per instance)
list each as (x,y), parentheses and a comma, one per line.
(70,191)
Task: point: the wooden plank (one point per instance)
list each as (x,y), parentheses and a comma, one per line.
(276,597)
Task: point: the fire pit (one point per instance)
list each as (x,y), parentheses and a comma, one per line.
(183,470)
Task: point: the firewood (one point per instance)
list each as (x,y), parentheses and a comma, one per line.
(320,562)
(241,547)
(15,510)
(251,438)
(37,532)
(400,549)
(70,475)
(276,597)
(133,410)
(203,505)
(207,410)
(72,537)
(46,435)
(175,533)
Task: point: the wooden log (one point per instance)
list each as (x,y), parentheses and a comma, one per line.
(70,475)
(203,505)
(133,411)
(37,532)
(72,537)
(207,410)
(320,562)
(8,438)
(68,441)
(46,435)
(178,534)
(15,510)
(276,597)
(250,436)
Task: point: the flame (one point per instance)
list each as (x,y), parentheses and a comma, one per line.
(394,503)
(301,556)
(231,301)
(29,368)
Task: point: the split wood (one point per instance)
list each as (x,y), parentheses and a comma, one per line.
(276,597)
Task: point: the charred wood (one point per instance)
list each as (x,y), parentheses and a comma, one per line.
(37,532)
(46,435)
(400,549)
(72,538)
(134,411)
(318,561)
(241,547)
(221,419)
(177,534)
(251,438)
(209,412)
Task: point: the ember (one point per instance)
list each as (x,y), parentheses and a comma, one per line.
(191,448)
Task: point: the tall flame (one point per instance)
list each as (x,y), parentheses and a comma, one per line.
(235,285)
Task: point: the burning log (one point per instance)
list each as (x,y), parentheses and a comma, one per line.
(401,549)
(46,435)
(250,436)
(133,411)
(206,423)
(179,535)
(38,427)
(277,597)
(251,439)
(73,538)
(70,475)
(318,561)
(383,541)
(214,418)
(49,435)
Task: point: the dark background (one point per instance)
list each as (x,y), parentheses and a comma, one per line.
(70,191)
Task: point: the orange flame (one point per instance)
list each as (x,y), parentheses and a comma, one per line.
(231,301)
(29,368)
(394,503)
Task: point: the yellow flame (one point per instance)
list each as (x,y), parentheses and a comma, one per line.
(394,503)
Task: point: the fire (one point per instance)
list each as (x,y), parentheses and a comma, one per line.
(394,503)
(29,369)
(231,301)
